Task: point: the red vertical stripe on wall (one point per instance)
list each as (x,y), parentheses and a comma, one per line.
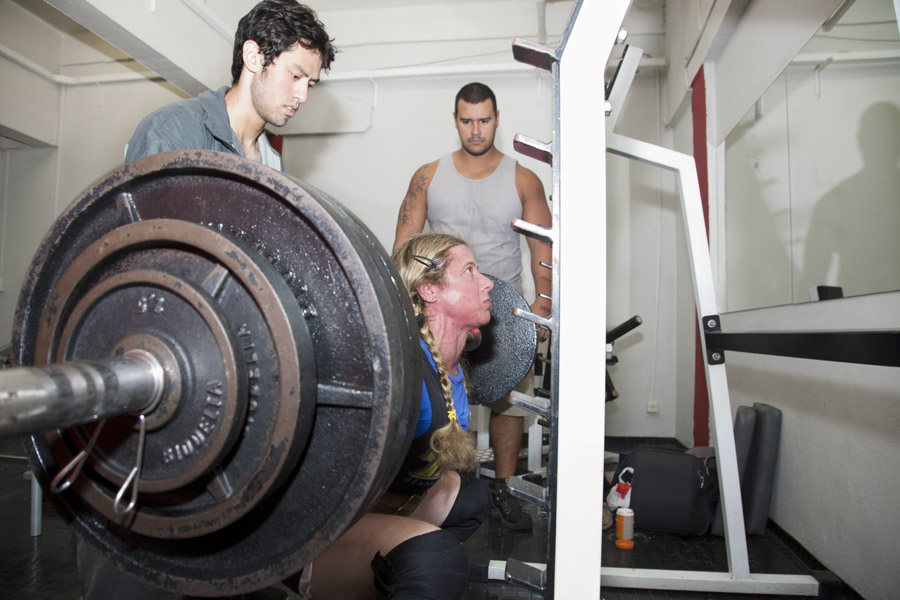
(276,141)
(701,392)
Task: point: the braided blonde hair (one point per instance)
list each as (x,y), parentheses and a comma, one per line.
(420,260)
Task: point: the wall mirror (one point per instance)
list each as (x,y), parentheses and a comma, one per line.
(812,183)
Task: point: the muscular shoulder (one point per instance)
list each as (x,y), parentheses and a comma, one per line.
(426,172)
(421,179)
(527,183)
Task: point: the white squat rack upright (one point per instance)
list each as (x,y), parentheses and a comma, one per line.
(583,121)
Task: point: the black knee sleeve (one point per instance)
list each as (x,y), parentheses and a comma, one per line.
(432,566)
(471,508)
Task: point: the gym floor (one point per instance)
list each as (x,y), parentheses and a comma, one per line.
(43,567)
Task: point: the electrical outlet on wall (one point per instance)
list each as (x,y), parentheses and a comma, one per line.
(652,405)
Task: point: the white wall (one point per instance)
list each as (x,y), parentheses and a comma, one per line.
(758,207)
(823,212)
(88,128)
(837,479)
(644,224)
(4,169)
(95,124)
(30,207)
(684,311)
(412,124)
(29,104)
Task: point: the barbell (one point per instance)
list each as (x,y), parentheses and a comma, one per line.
(219,366)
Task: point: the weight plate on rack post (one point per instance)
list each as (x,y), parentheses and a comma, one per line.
(508,345)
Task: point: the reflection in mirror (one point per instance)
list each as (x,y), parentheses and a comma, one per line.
(812,178)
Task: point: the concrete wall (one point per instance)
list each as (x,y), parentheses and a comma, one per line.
(837,479)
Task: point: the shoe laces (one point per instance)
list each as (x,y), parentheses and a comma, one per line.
(505,502)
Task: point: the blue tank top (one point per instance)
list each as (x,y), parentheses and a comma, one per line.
(419,470)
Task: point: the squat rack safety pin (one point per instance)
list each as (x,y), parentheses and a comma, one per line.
(134,477)
(70,472)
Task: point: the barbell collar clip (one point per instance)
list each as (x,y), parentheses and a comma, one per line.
(134,477)
(68,474)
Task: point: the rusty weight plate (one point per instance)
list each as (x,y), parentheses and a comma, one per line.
(232,334)
(345,445)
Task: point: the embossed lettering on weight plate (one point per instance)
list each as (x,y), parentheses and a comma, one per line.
(246,339)
(209,418)
(152,303)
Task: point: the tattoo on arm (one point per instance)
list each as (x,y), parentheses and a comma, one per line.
(416,186)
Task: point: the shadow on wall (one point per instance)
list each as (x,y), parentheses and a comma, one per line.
(852,240)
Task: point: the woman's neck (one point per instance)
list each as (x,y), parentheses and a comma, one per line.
(450,341)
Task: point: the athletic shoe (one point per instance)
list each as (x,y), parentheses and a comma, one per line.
(506,508)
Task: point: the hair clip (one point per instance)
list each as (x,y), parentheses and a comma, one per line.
(432,266)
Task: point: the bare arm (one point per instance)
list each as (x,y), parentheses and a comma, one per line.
(535,210)
(414,208)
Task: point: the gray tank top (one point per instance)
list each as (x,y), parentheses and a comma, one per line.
(480,212)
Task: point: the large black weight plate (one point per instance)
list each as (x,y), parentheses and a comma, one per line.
(144,281)
(506,352)
(363,336)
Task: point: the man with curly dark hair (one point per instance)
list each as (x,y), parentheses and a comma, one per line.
(280,49)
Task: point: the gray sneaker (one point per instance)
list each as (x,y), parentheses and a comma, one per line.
(506,508)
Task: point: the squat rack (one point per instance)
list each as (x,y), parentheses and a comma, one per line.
(583,121)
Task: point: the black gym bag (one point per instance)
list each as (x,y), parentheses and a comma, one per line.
(672,491)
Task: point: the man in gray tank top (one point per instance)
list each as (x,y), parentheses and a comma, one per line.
(475,193)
